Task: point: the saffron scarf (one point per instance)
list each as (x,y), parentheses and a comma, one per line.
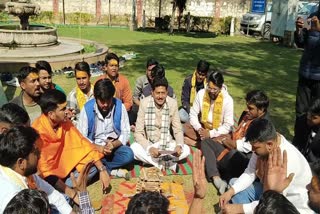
(242,128)
(217,111)
(193,86)
(64,149)
(150,122)
(81,97)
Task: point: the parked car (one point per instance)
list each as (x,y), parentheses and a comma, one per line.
(258,23)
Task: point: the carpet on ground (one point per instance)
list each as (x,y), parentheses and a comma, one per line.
(117,203)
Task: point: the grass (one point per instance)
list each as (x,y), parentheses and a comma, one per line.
(248,64)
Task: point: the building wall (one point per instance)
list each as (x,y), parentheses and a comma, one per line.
(212,8)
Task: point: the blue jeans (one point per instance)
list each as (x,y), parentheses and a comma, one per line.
(184,116)
(121,156)
(252,193)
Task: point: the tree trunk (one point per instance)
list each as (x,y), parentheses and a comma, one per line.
(160,4)
(174,6)
(179,21)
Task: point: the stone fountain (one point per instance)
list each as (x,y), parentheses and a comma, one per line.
(24,44)
(26,35)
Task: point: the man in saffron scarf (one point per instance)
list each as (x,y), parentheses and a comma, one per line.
(19,156)
(228,155)
(64,149)
(192,84)
(157,114)
(211,114)
(83,91)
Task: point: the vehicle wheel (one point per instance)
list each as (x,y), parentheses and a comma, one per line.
(266,31)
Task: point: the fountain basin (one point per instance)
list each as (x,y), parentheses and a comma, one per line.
(36,36)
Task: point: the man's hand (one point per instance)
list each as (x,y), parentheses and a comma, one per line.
(299,23)
(198,175)
(177,151)
(80,184)
(204,133)
(233,209)
(154,152)
(222,137)
(105,180)
(225,198)
(276,175)
(70,113)
(315,25)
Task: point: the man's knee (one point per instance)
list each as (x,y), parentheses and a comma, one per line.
(206,143)
(127,154)
(185,153)
(137,150)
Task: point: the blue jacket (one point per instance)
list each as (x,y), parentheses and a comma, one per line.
(117,113)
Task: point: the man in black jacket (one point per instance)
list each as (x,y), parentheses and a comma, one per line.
(191,85)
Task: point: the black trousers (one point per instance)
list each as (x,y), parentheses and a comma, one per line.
(230,166)
(307,91)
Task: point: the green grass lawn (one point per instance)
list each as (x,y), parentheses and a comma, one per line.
(248,64)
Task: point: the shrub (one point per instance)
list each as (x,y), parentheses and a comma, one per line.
(79,18)
(89,48)
(43,17)
(198,23)
(4,17)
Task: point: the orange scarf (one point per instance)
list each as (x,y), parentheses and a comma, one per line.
(241,130)
(63,150)
(216,114)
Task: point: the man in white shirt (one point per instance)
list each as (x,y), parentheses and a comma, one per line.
(277,178)
(245,191)
(104,120)
(211,114)
(19,156)
(227,156)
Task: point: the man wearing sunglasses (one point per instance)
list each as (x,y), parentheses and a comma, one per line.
(211,114)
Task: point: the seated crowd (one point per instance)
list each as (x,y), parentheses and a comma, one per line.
(52,144)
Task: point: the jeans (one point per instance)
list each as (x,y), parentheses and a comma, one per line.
(121,156)
(252,193)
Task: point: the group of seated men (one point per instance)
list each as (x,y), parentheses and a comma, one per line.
(93,123)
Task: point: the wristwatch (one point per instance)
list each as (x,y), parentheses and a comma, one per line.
(103,168)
